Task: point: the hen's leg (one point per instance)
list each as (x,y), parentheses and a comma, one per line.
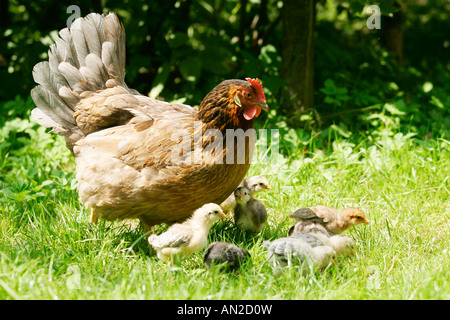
(94,217)
(147,224)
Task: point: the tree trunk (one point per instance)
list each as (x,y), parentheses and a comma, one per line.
(5,18)
(298,55)
(392,33)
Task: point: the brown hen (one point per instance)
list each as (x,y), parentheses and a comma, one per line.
(139,157)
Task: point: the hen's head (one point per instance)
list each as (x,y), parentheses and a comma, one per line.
(233,104)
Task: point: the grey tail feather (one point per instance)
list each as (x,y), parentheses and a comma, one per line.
(90,56)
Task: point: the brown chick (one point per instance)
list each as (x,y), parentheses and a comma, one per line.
(254,184)
(333,220)
(184,239)
(228,255)
(136,156)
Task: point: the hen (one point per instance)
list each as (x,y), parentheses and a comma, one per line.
(139,157)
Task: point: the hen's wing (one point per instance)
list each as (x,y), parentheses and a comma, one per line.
(148,140)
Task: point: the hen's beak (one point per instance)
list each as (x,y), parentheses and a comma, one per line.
(263,106)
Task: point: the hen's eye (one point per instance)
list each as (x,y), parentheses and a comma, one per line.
(248,95)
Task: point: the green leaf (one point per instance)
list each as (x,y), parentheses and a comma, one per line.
(177,39)
(190,68)
(160,80)
(438,103)
(342,130)
(396,107)
(427,87)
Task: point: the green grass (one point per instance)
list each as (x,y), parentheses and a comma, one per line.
(49,250)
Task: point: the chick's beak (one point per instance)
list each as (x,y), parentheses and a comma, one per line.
(262,105)
(222,215)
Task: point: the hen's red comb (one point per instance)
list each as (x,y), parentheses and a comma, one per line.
(258,86)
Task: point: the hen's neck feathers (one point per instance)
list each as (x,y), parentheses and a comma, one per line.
(219,111)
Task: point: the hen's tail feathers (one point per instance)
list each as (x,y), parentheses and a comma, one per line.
(89,56)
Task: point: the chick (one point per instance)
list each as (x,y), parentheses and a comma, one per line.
(313,239)
(306,226)
(183,239)
(333,220)
(227,254)
(341,244)
(254,184)
(284,252)
(249,213)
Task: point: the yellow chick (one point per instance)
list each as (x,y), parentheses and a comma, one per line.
(188,237)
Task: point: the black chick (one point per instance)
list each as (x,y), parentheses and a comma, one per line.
(229,255)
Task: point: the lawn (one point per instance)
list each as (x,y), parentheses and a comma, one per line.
(49,249)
